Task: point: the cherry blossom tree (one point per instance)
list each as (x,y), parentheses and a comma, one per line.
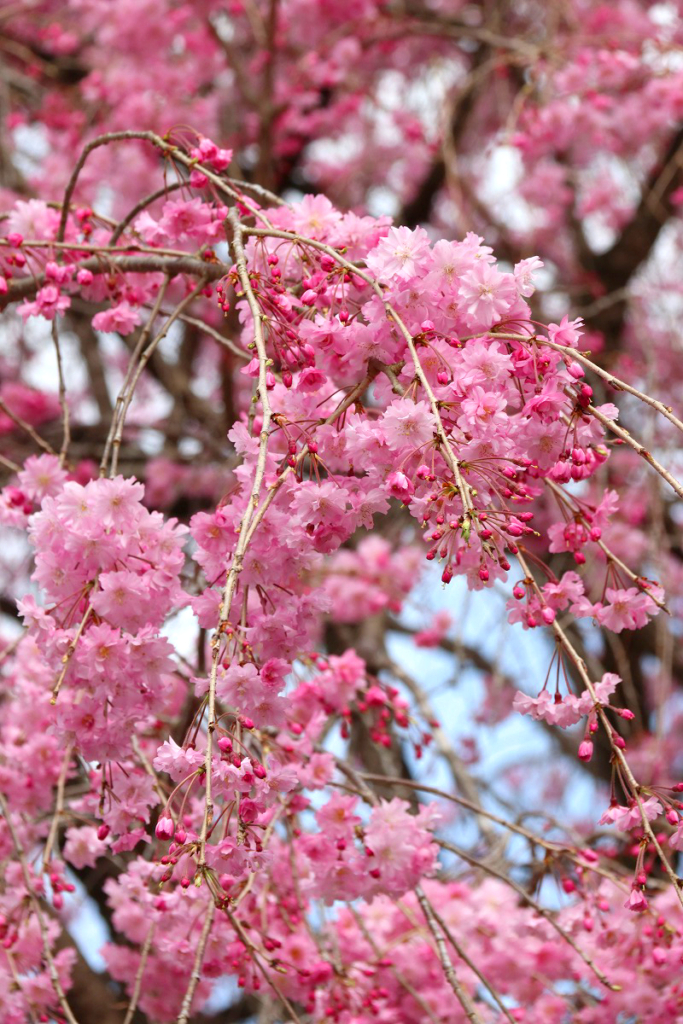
(341,563)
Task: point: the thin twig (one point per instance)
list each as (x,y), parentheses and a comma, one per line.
(461,994)
(556,849)
(213,333)
(197,965)
(23,425)
(166,147)
(461,776)
(52,967)
(543,911)
(609,554)
(639,448)
(13,467)
(66,426)
(460,950)
(137,988)
(241,546)
(69,653)
(160,193)
(130,370)
(617,753)
(144,359)
(138,263)
(59,808)
(257,960)
(400,977)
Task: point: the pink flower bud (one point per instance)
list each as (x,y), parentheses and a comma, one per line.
(103,832)
(15,497)
(165,828)
(585,750)
(14,238)
(180,836)
(84,277)
(225,744)
(400,486)
(483,574)
(548,616)
(585,395)
(427,326)
(575,370)
(248,810)
(308,298)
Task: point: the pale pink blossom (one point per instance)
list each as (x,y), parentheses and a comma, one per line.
(121,319)
(400,253)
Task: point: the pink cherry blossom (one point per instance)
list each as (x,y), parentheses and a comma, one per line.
(486,294)
(259,443)
(122,319)
(400,253)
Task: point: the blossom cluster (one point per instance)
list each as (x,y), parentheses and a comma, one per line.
(109,569)
(381,375)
